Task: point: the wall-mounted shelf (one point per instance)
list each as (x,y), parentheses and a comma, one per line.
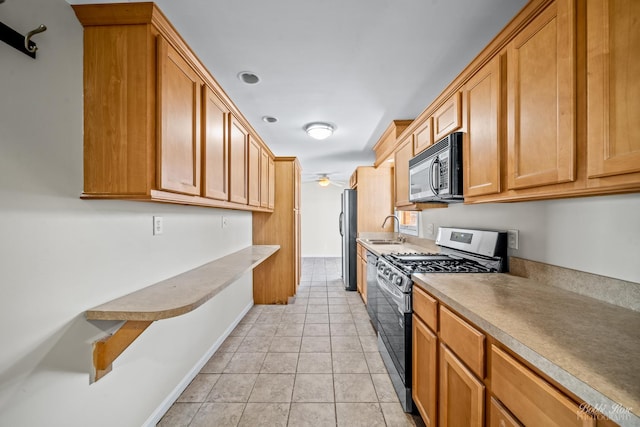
(169,298)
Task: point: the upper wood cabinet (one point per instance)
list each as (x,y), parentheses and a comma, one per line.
(253,175)
(541,83)
(215,147)
(402,157)
(423,136)
(447,118)
(238,146)
(264,178)
(613,85)
(481,148)
(374,198)
(179,90)
(157,126)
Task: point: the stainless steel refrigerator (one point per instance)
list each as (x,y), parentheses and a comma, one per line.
(349,231)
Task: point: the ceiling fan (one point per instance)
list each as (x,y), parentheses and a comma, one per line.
(323,180)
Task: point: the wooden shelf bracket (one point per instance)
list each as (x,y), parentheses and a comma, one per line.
(106,350)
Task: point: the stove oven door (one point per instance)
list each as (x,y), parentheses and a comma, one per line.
(394,330)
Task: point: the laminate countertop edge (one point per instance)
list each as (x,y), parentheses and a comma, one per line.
(539,323)
(184,292)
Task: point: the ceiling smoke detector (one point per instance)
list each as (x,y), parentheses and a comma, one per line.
(319,130)
(248,77)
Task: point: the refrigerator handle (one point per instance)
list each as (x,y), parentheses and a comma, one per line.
(340,223)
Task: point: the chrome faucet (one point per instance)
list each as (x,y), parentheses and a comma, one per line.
(391,216)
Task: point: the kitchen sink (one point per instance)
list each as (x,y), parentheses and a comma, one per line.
(383,242)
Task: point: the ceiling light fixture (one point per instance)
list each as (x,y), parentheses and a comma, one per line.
(319,130)
(323,181)
(248,77)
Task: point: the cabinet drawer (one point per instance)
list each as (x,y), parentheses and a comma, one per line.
(426,308)
(500,417)
(530,398)
(463,339)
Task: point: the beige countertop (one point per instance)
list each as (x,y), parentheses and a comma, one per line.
(590,347)
(184,292)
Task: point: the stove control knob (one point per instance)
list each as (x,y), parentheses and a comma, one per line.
(399,281)
(392,277)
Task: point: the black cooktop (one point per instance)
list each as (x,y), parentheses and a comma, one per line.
(411,263)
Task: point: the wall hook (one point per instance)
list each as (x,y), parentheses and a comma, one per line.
(27,38)
(23,43)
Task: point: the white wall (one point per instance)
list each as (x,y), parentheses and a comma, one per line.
(599,235)
(320,211)
(60,255)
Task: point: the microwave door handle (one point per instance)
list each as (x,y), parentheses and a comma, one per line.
(433,178)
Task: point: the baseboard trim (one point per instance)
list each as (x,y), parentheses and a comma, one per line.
(157,415)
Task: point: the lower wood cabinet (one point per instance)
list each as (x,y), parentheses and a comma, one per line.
(361,281)
(461,393)
(425,371)
(454,384)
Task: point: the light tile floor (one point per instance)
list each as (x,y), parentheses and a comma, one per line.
(311,363)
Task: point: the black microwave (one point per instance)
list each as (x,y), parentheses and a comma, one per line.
(435,175)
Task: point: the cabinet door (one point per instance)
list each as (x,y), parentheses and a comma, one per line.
(238,162)
(613,87)
(179,112)
(541,100)
(481,146)
(461,394)
(215,132)
(448,117)
(423,136)
(254,172)
(272,183)
(402,157)
(424,371)
(264,178)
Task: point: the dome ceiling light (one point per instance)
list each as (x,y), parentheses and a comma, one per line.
(319,130)
(248,77)
(324,181)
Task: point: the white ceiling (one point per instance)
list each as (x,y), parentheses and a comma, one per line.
(355,63)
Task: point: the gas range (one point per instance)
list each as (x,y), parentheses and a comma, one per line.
(462,251)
